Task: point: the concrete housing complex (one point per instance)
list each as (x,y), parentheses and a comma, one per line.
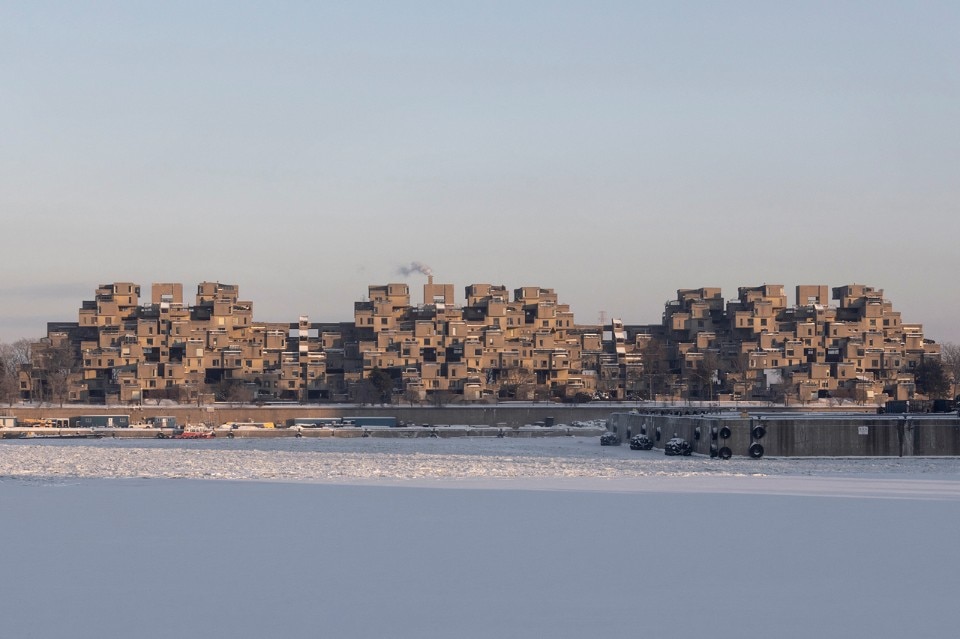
(758,347)
(524,346)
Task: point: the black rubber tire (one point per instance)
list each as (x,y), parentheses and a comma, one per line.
(758,432)
(713,433)
(713,451)
(696,433)
(658,433)
(725,453)
(756,450)
(724,432)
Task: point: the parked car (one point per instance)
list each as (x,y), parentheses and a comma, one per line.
(609,439)
(640,442)
(678,446)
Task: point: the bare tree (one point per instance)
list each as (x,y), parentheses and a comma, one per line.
(541,393)
(777,394)
(364,392)
(860,393)
(950,356)
(58,361)
(705,374)
(443,397)
(654,356)
(736,369)
(236,392)
(411,395)
(842,394)
(519,381)
(8,384)
(634,373)
(13,357)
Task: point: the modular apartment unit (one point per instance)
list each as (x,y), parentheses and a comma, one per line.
(500,344)
(756,347)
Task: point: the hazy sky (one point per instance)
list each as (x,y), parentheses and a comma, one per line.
(612,151)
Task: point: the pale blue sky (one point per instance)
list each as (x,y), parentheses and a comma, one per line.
(612,151)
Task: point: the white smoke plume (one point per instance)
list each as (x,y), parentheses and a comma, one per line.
(415,267)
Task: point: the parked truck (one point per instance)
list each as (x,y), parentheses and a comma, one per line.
(368,422)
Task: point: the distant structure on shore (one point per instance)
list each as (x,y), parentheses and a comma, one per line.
(494,346)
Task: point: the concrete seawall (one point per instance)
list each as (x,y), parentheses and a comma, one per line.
(251,432)
(787,435)
(508,415)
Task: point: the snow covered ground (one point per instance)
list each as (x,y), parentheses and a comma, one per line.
(554,537)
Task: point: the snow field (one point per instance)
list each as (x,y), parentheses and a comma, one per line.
(552,539)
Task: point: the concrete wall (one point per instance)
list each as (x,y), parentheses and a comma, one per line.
(485,415)
(802,434)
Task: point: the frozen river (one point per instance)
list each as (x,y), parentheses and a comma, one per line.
(345,459)
(469,538)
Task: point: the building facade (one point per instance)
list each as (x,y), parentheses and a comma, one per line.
(496,345)
(757,347)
